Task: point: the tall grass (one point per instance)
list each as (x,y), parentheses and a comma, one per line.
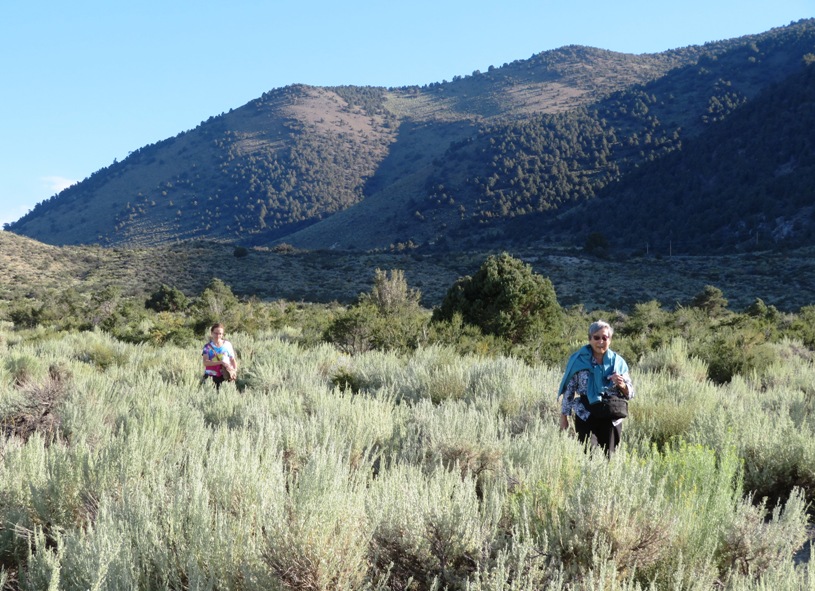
(427,471)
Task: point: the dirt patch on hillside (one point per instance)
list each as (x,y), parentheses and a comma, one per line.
(328,112)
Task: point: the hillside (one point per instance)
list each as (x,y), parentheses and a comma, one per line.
(39,271)
(492,159)
(769,144)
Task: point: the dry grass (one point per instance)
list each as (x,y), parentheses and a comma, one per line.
(36,409)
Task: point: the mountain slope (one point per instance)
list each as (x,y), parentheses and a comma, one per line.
(471,161)
(300,154)
(745,183)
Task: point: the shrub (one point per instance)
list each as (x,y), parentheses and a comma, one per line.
(731,352)
(104,355)
(345,379)
(428,527)
(465,338)
(803,326)
(166,299)
(24,368)
(635,526)
(711,300)
(596,245)
(649,324)
(391,294)
(353,331)
(25,315)
(171,329)
(504,298)
(214,304)
(321,540)
(666,408)
(675,360)
(36,410)
(752,545)
(442,471)
(388,318)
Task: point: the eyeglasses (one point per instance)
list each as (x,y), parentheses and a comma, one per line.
(598,337)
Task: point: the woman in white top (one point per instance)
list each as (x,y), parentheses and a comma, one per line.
(218,355)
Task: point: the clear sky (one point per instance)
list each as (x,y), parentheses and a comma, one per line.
(84,82)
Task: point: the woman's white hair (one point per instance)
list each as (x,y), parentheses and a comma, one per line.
(600,325)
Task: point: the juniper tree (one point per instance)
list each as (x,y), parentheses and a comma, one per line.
(505,298)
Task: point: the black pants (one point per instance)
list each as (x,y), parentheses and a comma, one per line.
(600,432)
(217,380)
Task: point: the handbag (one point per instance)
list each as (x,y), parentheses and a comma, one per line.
(609,407)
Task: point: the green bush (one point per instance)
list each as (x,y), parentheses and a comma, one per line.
(711,300)
(24,368)
(802,326)
(730,352)
(104,355)
(167,299)
(353,331)
(666,408)
(504,298)
(214,304)
(25,315)
(752,544)
(387,318)
(320,540)
(466,338)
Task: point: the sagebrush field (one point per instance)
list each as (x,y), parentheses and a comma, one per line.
(382,445)
(427,470)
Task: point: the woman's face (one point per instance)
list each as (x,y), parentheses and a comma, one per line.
(217,335)
(600,341)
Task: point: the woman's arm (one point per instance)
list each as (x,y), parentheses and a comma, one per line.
(233,359)
(567,403)
(624,384)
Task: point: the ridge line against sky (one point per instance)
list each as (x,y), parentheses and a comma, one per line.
(88,82)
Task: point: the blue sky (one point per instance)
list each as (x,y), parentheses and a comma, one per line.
(88,81)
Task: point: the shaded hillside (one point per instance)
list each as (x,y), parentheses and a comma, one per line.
(289,157)
(450,165)
(746,183)
(544,165)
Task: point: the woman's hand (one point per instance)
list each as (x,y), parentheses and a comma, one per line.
(564,422)
(619,381)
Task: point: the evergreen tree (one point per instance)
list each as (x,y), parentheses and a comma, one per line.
(504,298)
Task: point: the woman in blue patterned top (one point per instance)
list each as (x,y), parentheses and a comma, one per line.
(591,371)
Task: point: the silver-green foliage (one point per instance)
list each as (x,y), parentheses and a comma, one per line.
(434,471)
